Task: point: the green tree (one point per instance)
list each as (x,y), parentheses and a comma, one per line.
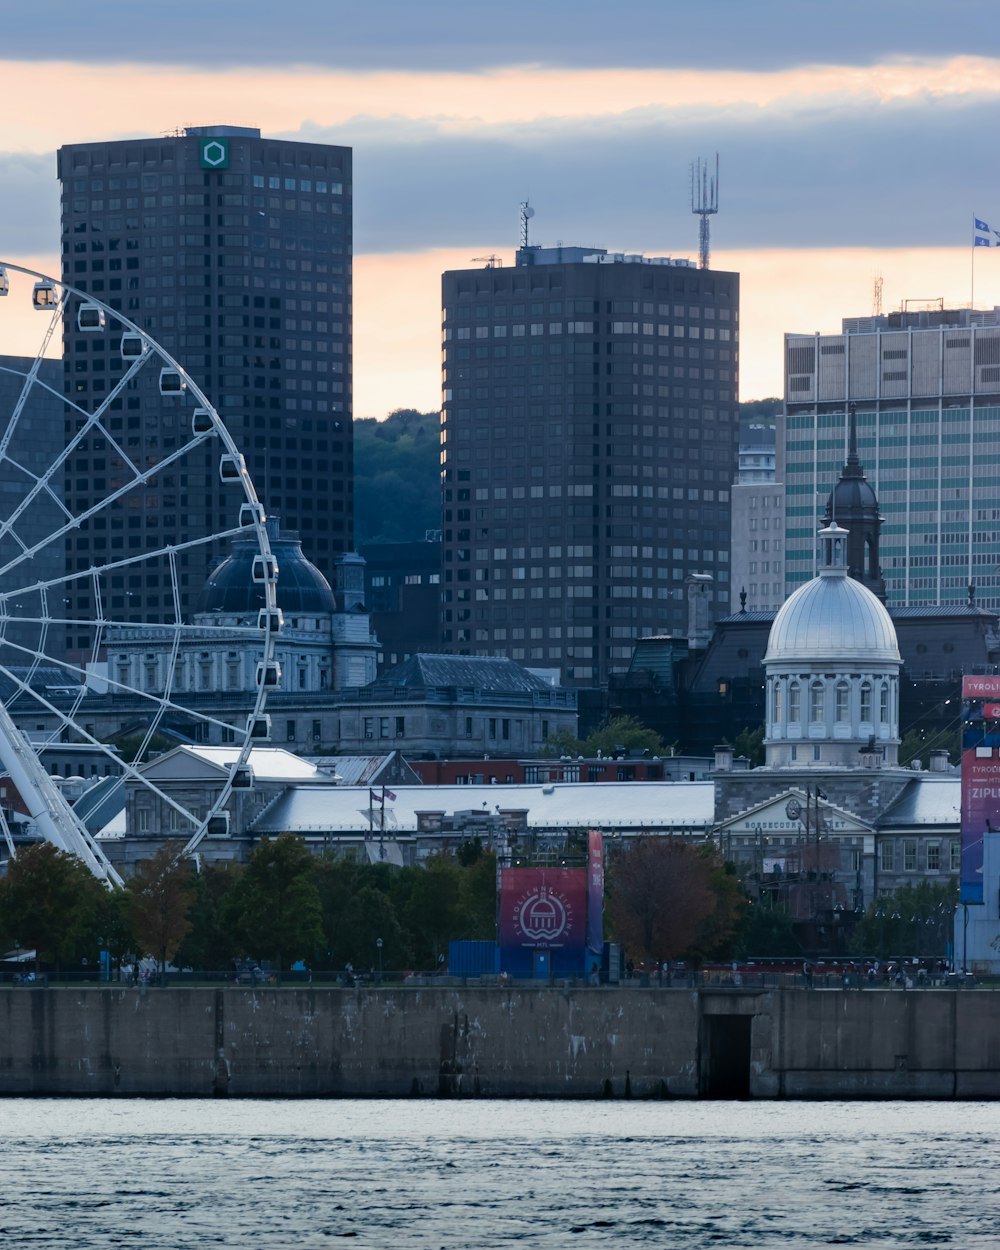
(212,942)
(277,903)
(913,920)
(160,891)
(622,735)
(433,913)
(51,902)
(368,916)
(479,899)
(750,744)
(766,932)
(717,933)
(115,928)
(918,743)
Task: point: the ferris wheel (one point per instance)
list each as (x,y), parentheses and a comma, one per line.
(84,535)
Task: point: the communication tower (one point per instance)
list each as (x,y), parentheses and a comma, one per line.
(527,212)
(704,202)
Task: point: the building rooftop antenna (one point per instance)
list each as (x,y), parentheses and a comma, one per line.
(704,202)
(527,212)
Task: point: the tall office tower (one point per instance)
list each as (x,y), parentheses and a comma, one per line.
(589,431)
(757,564)
(234,252)
(926,387)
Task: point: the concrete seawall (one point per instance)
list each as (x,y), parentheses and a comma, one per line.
(500,1043)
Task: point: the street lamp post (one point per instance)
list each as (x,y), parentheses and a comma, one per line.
(378,943)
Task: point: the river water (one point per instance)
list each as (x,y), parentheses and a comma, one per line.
(463,1174)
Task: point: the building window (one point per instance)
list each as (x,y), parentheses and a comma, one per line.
(887,857)
(468,726)
(843,702)
(383,726)
(884,703)
(317,731)
(910,855)
(816,702)
(290,731)
(866,701)
(955,857)
(369,727)
(142,819)
(400,726)
(776,703)
(933,857)
(794,703)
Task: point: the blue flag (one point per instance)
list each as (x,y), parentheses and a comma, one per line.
(981,225)
(979,241)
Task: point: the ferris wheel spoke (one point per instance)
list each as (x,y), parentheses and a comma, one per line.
(129,768)
(43,482)
(69,655)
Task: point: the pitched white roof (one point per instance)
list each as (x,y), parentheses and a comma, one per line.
(629,806)
(267,763)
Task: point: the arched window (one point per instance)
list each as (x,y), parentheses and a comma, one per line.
(843,702)
(817,702)
(883,703)
(794,703)
(866,701)
(776,703)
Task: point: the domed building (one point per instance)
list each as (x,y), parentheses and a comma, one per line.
(818,825)
(832,670)
(323,644)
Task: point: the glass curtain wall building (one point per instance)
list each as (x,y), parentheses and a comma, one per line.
(589,434)
(927,390)
(234,252)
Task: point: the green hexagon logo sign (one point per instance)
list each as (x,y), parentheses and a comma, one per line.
(214,153)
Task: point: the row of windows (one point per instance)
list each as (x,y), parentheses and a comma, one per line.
(903,855)
(818,701)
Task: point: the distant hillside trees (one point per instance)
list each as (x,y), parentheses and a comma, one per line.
(397,471)
(396,477)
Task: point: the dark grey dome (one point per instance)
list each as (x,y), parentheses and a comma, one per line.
(852,497)
(301,587)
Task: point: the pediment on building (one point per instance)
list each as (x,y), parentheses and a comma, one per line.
(184,764)
(795,811)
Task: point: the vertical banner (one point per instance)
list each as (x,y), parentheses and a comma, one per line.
(595,892)
(980,778)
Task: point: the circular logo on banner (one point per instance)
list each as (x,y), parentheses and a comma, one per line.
(543,915)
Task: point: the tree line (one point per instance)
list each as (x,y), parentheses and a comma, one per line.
(666,900)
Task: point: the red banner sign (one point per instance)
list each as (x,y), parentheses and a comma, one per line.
(543,907)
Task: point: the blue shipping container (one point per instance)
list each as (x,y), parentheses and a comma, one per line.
(473,959)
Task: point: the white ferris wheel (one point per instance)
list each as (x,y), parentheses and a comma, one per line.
(41,588)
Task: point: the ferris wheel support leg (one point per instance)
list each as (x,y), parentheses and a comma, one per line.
(46,806)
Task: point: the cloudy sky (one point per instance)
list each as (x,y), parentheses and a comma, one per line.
(855,140)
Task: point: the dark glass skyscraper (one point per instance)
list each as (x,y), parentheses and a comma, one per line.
(234,253)
(589,439)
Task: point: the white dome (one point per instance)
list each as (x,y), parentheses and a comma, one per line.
(832,619)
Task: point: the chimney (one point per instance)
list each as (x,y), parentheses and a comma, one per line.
(938,761)
(699,597)
(724,758)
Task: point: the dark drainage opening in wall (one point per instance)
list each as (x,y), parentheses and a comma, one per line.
(725,1057)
